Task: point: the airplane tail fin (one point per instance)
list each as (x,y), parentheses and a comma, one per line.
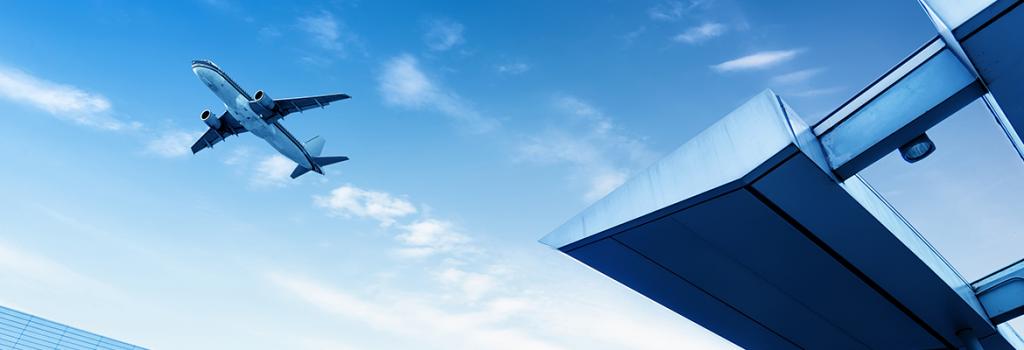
(315,145)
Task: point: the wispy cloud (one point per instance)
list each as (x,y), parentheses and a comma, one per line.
(666,11)
(700,33)
(174,143)
(273,171)
(513,68)
(270,32)
(238,156)
(477,319)
(483,305)
(472,286)
(65,102)
(412,316)
(629,38)
(442,34)
(673,10)
(797,76)
(402,83)
(350,201)
(759,60)
(478,301)
(328,32)
(601,155)
(22,267)
(428,237)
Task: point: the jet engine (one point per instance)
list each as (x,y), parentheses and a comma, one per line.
(263,104)
(210,119)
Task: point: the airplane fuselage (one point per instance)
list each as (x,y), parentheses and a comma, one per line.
(237,102)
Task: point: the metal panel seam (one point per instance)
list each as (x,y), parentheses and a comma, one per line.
(673,273)
(849,266)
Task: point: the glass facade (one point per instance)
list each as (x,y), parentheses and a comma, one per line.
(19,331)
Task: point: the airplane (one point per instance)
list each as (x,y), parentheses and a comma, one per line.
(260,115)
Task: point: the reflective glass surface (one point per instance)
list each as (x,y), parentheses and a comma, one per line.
(956,12)
(965,198)
(19,331)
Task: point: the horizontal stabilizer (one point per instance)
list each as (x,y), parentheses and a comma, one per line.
(299,170)
(325,161)
(320,162)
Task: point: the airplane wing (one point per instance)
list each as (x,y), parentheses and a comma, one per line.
(228,126)
(291,105)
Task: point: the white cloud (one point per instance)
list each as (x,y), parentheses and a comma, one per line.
(666,11)
(760,60)
(603,183)
(477,301)
(428,237)
(273,171)
(797,76)
(328,32)
(324,29)
(673,10)
(513,68)
(412,316)
(62,101)
(402,83)
(25,268)
(237,156)
(601,156)
(174,143)
(443,34)
(629,38)
(351,201)
(270,32)
(563,315)
(472,285)
(700,33)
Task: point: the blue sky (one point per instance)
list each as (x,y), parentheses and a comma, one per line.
(474,129)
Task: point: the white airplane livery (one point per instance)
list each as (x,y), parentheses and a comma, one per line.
(260,115)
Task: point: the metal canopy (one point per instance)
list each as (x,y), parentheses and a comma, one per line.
(760,244)
(760,230)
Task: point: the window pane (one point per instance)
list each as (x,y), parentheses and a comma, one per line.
(965,198)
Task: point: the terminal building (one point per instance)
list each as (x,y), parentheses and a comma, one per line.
(21,331)
(760,229)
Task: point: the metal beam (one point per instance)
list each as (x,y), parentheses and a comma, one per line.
(918,93)
(977,59)
(1002,293)
(992,20)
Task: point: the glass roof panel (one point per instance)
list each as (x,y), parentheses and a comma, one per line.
(965,198)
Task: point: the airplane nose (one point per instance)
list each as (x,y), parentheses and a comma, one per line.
(202,63)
